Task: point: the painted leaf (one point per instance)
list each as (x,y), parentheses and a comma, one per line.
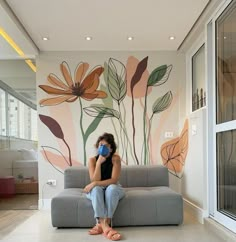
(116,79)
(101,111)
(105,73)
(92,127)
(159,76)
(57,159)
(142,66)
(108,101)
(162,103)
(141,87)
(174,152)
(53,125)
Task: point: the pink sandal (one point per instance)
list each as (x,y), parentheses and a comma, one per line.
(97,229)
(112,234)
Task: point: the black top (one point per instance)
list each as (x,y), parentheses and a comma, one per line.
(106,168)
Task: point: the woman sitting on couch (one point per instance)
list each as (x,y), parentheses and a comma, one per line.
(104,189)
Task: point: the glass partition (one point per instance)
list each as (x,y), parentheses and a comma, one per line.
(3,128)
(226,65)
(225,40)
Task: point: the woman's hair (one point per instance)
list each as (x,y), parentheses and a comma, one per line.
(109,138)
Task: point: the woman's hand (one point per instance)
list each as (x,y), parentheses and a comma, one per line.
(101,159)
(89,187)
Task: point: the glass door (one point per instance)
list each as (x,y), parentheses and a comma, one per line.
(225,116)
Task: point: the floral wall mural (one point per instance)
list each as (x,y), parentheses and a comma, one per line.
(118,92)
(81,87)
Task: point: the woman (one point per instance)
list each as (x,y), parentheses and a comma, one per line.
(104,190)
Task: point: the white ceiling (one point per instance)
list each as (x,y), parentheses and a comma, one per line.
(109,22)
(12,27)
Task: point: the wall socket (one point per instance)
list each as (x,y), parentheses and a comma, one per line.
(52,182)
(169,134)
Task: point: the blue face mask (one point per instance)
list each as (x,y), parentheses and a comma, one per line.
(103,150)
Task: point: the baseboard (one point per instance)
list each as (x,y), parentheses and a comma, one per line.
(44,204)
(198,213)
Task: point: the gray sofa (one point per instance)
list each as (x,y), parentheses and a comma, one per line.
(148,199)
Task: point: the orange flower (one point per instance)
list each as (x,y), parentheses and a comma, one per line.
(85,88)
(174,152)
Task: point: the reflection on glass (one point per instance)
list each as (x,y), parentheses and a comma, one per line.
(198,79)
(226,170)
(226,65)
(13,116)
(3,128)
(22,120)
(34,129)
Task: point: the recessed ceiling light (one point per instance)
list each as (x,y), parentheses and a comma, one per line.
(225,37)
(130,38)
(88,38)
(45,38)
(171,37)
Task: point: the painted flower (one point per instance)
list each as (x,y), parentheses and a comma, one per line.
(82,86)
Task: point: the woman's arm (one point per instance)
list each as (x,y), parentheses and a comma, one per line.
(114,176)
(95,168)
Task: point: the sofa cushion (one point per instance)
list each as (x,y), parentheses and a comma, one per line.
(149,206)
(72,209)
(140,206)
(131,176)
(144,176)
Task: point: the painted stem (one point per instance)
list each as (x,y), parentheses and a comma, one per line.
(134,149)
(82,130)
(125,137)
(122,143)
(149,133)
(144,127)
(117,137)
(128,141)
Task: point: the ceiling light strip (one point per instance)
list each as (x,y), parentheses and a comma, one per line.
(18,50)
(31,65)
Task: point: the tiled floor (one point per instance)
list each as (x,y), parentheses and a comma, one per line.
(38,228)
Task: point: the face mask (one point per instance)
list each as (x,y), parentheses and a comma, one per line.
(103,150)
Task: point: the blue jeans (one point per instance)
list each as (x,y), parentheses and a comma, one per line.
(105,200)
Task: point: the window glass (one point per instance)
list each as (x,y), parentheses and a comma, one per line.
(226,65)
(198,79)
(226,169)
